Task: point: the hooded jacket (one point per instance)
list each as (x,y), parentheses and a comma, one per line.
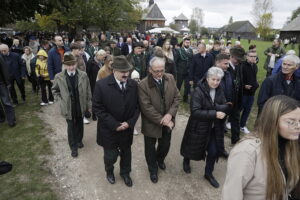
(41,66)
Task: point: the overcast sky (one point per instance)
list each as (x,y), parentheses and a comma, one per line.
(218,12)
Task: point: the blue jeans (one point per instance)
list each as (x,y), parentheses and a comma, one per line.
(246,109)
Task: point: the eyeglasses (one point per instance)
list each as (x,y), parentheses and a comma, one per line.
(293,124)
(252,56)
(157,71)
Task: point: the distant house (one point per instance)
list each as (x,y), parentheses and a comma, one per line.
(243,29)
(291,30)
(181,21)
(152,18)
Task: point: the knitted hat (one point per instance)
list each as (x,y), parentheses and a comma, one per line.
(120,63)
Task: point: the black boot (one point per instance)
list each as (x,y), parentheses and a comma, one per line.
(211,179)
(186,165)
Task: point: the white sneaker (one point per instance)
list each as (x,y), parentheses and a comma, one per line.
(135,132)
(245,130)
(228,125)
(43,104)
(50,102)
(86,121)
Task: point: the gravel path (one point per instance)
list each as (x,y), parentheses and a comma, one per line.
(85,177)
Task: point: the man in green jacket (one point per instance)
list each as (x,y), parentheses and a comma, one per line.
(72,90)
(273,53)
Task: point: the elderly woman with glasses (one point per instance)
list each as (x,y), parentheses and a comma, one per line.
(203,137)
(266,163)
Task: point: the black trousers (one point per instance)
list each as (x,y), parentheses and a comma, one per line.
(33,80)
(12,90)
(153,154)
(6,107)
(75,132)
(44,84)
(183,79)
(234,119)
(111,156)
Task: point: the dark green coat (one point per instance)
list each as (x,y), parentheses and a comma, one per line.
(115,51)
(280,51)
(183,60)
(139,64)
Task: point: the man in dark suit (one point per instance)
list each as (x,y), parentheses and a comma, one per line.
(183,60)
(201,62)
(127,47)
(7,111)
(115,103)
(237,55)
(17,72)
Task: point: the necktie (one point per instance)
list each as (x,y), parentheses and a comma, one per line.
(122,87)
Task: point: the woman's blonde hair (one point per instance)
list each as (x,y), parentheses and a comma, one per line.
(267,129)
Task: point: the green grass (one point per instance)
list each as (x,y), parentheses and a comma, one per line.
(27,148)
(261,46)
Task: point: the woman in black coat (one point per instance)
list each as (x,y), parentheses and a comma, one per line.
(203,137)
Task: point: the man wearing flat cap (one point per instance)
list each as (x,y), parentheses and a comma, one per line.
(72,89)
(115,103)
(237,55)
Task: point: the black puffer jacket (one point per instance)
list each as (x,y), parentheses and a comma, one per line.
(202,120)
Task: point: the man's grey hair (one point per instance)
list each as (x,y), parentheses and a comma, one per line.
(215,71)
(3,46)
(157,61)
(292,58)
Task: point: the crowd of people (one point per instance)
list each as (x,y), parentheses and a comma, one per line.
(115,81)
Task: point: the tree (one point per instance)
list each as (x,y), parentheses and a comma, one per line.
(262,13)
(295,14)
(13,10)
(193,26)
(230,20)
(264,26)
(198,18)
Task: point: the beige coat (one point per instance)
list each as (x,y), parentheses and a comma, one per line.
(246,174)
(151,104)
(62,95)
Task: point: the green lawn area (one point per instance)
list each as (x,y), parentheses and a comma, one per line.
(261,46)
(27,148)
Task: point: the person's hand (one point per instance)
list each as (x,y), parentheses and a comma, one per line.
(52,81)
(191,82)
(166,119)
(270,54)
(170,125)
(123,126)
(23,78)
(220,115)
(248,87)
